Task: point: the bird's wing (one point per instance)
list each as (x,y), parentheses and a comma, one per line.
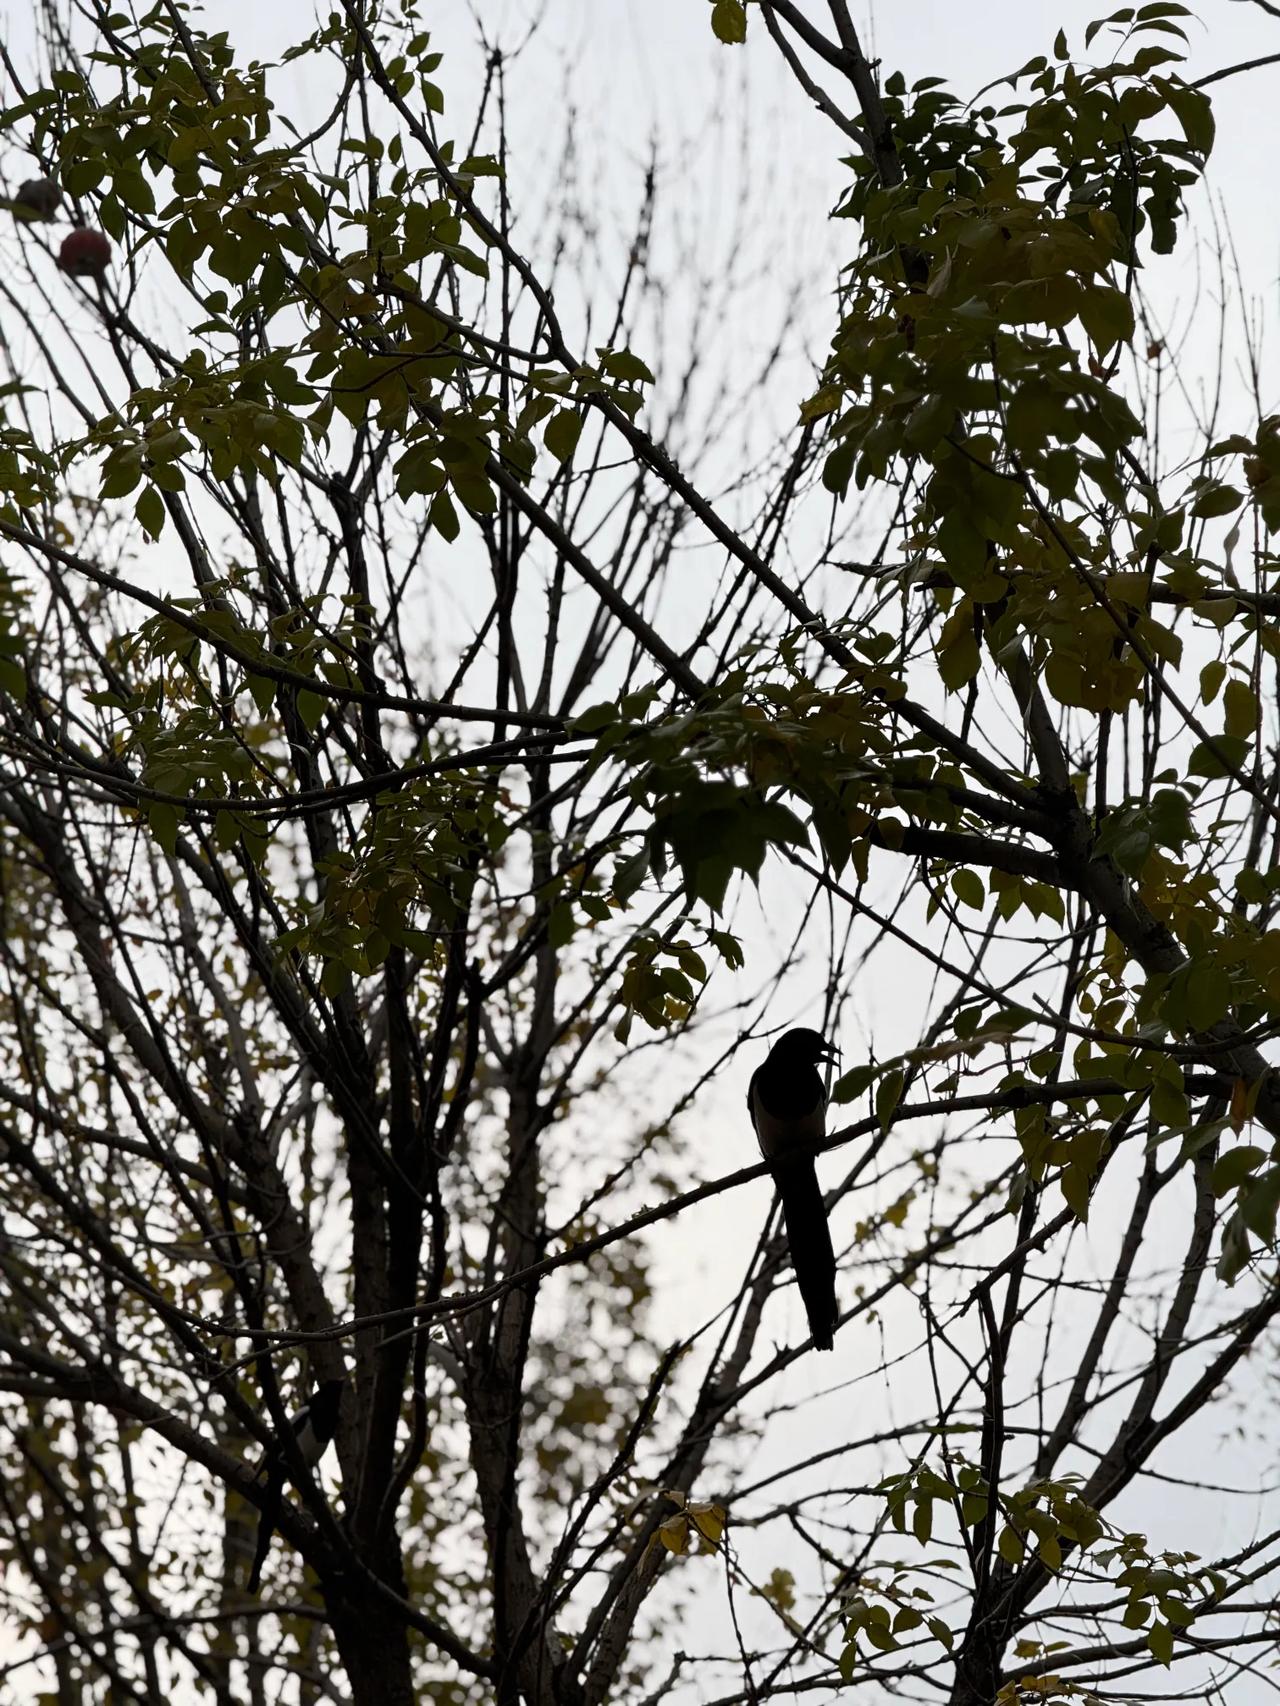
(779,1132)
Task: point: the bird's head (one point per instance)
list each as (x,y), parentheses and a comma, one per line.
(802,1047)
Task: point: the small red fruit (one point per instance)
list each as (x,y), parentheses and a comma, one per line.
(84,253)
(40,197)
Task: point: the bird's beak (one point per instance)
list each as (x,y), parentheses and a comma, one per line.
(830,1052)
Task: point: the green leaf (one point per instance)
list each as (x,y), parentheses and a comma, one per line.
(728,947)
(1107,315)
(1240,708)
(958,657)
(263,691)
(562,433)
(929,422)
(1169,1105)
(838,467)
(1235,1254)
(1170,819)
(1211,678)
(922,1523)
(1251,886)
(729,21)
(122,471)
(1208,996)
(824,401)
(1215,758)
(967,886)
(481,166)
(1215,501)
(595,718)
(692,963)
(854,1082)
(311,707)
(621,364)
(1010,1546)
(1194,112)
(888,1096)
(1258,1206)
(711,880)
(226,831)
(1075,1183)
(444,517)
(1236,1166)
(135,192)
(881,1636)
(164,820)
(150,511)
(1061,472)
(474,489)
(630,873)
(1160,1643)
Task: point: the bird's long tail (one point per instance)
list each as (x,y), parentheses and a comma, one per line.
(809,1236)
(266,1528)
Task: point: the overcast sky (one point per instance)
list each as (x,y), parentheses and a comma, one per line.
(646,70)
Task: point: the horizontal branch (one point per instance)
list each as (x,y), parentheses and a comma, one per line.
(309,802)
(964,849)
(265,666)
(1000,1101)
(1231,70)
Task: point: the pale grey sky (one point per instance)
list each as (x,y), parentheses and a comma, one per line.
(645,69)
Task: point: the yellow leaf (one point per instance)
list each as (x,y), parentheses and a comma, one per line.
(710,1520)
(674,1535)
(729,21)
(779,1590)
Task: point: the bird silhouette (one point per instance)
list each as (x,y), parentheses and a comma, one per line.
(788,1103)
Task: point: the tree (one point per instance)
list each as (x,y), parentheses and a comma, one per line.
(382,776)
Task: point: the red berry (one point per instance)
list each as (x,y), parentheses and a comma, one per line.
(40,196)
(84,253)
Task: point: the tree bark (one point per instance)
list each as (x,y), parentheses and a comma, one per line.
(373,1644)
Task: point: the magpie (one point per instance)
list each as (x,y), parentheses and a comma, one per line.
(313,1426)
(788,1103)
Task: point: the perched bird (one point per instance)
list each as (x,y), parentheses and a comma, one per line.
(788,1103)
(313,1426)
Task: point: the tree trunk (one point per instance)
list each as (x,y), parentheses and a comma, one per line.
(373,1644)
